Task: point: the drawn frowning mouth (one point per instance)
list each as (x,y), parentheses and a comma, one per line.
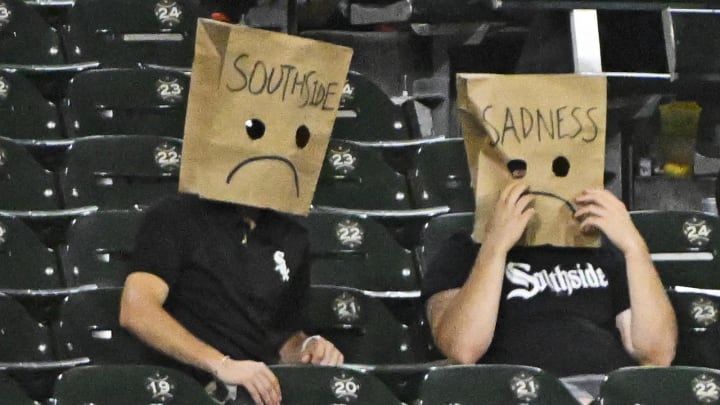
(267,157)
(552,195)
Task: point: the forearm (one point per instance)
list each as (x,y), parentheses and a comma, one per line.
(653,325)
(464,328)
(159,330)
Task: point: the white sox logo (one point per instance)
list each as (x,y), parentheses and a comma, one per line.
(281,266)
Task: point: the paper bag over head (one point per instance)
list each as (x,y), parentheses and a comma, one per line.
(548,130)
(260,114)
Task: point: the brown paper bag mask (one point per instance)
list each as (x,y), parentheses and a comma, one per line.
(552,128)
(260,113)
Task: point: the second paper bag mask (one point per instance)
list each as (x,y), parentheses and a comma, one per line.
(547,129)
(259,117)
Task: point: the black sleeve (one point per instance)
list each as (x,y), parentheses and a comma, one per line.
(158,243)
(450,266)
(618,280)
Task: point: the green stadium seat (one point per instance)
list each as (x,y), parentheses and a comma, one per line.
(119,172)
(127,384)
(24,184)
(88,326)
(11,393)
(27,41)
(358,179)
(684,246)
(27,266)
(661,386)
(24,112)
(437,230)
(367,114)
(125,33)
(313,385)
(698,328)
(441,176)
(359,252)
(370,330)
(98,246)
(126,102)
(26,350)
(493,384)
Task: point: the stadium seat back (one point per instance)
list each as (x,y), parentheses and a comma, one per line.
(492,384)
(698,329)
(684,246)
(358,177)
(312,385)
(120,172)
(98,247)
(12,393)
(441,176)
(124,33)
(128,384)
(88,326)
(26,39)
(367,114)
(23,339)
(26,263)
(661,386)
(24,184)
(358,252)
(437,230)
(367,329)
(126,102)
(24,112)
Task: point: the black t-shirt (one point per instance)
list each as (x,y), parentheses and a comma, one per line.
(238,290)
(557,307)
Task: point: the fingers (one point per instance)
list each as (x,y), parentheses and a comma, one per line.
(512,192)
(260,382)
(267,388)
(322,352)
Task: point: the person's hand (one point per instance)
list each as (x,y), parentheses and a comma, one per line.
(600,209)
(260,382)
(320,351)
(510,217)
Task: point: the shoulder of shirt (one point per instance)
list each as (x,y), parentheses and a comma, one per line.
(289,223)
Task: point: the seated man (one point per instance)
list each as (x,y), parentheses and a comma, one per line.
(219,286)
(220,270)
(536,284)
(564,309)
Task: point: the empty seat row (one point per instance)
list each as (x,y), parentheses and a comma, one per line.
(122,171)
(100,33)
(150,101)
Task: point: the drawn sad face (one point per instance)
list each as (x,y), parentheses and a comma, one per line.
(271,166)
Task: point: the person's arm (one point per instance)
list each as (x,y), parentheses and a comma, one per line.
(649,327)
(301,348)
(142,313)
(463,320)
